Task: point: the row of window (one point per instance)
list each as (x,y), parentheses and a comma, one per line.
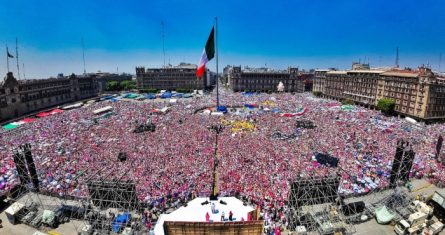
(44,85)
(263,82)
(401,84)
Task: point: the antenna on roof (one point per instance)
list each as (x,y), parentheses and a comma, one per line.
(23,68)
(397,58)
(17,57)
(163,41)
(83,57)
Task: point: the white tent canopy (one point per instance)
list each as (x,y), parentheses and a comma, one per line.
(103,110)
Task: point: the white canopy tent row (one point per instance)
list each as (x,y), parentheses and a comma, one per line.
(103,110)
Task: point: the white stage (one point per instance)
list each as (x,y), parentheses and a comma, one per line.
(195,212)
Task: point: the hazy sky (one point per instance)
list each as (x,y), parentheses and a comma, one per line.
(279,33)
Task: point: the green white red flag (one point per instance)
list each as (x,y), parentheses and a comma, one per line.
(207,54)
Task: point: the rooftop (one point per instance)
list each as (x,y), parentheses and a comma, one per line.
(339,72)
(366,71)
(401,73)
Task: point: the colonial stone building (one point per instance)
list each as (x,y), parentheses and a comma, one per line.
(417,93)
(170,77)
(319,81)
(20,97)
(103,78)
(357,85)
(263,79)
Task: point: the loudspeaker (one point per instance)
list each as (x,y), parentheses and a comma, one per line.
(26,148)
(439,145)
(222,202)
(19,161)
(407,164)
(205,203)
(396,165)
(402,164)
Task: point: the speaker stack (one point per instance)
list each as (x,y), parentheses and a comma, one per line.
(25,166)
(402,164)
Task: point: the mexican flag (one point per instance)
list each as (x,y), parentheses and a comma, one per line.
(207,54)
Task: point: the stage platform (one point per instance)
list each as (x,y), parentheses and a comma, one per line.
(196,212)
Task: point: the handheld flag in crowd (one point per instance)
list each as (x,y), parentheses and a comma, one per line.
(207,54)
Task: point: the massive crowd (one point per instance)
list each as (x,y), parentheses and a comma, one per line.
(177,159)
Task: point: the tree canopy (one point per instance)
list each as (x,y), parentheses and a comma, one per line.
(119,86)
(386,105)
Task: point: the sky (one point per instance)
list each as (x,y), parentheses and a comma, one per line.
(120,35)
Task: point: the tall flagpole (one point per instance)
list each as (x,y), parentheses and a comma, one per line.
(83,57)
(23,68)
(17,57)
(216,47)
(163,41)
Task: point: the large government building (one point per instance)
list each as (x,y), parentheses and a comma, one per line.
(103,78)
(417,93)
(20,97)
(262,79)
(170,77)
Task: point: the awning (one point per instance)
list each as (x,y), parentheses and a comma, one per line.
(10,126)
(43,114)
(55,111)
(28,120)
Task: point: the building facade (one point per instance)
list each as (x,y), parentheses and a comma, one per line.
(21,97)
(170,77)
(263,79)
(319,81)
(103,78)
(357,85)
(417,93)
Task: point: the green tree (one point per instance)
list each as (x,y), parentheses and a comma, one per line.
(112,86)
(317,93)
(182,90)
(386,105)
(347,101)
(128,85)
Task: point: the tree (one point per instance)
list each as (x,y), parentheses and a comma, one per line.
(347,101)
(317,93)
(112,86)
(386,105)
(128,85)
